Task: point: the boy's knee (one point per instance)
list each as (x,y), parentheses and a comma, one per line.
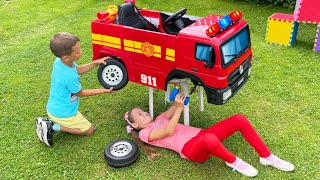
(89,131)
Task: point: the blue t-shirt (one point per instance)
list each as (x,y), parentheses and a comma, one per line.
(65,82)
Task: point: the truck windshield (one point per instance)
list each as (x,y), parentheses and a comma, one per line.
(234,47)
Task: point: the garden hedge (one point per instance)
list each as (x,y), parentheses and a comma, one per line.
(284,3)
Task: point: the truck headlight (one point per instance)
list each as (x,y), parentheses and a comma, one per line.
(249,71)
(226,94)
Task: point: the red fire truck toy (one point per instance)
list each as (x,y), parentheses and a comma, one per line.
(151,48)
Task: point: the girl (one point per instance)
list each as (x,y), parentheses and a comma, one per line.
(198,144)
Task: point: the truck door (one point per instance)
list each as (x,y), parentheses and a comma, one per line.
(197,57)
(147,51)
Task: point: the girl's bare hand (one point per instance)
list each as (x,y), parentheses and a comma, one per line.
(180,99)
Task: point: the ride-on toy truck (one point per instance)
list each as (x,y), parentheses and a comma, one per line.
(151,48)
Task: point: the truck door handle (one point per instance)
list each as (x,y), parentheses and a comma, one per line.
(195,69)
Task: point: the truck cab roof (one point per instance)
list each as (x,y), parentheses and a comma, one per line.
(199,27)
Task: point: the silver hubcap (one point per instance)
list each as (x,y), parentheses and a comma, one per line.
(120,149)
(112,75)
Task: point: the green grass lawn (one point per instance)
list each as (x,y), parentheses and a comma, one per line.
(281,98)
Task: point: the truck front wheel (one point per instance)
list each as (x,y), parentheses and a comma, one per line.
(113,74)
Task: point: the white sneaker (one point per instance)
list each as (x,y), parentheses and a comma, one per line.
(250,171)
(39,128)
(284,166)
(48,132)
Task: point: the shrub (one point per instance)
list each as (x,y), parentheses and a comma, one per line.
(284,3)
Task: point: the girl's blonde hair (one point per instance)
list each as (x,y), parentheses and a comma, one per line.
(148,149)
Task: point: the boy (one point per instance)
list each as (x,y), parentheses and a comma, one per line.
(65,89)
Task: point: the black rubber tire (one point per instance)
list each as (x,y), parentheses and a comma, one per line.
(115,74)
(121,152)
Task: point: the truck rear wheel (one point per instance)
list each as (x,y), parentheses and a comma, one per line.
(113,74)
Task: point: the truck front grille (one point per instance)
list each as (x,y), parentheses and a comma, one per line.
(236,75)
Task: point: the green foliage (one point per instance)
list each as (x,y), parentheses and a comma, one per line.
(284,3)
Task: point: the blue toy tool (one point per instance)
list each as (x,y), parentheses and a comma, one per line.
(173,94)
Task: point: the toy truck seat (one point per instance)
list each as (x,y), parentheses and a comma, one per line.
(129,15)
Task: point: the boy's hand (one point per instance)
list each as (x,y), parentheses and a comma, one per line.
(108,90)
(179,100)
(102,60)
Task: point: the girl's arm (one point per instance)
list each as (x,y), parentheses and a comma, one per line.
(170,111)
(169,129)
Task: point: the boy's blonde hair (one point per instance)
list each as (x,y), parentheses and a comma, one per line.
(61,43)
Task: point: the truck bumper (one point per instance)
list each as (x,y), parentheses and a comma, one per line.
(221,96)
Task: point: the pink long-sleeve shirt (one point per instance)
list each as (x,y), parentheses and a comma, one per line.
(182,134)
